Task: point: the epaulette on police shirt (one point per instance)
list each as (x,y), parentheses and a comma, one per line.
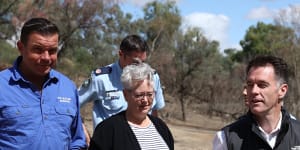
(103,70)
(96,72)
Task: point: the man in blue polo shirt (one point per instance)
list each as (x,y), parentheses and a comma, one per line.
(39,106)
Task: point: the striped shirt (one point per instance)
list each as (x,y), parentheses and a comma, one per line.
(149,138)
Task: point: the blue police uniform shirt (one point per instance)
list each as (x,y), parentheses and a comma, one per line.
(39,120)
(104,88)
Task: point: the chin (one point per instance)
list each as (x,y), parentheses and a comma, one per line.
(42,74)
(256,110)
(144,110)
(45,71)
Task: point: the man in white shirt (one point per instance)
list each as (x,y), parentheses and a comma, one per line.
(266,125)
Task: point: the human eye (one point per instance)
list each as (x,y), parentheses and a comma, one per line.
(262,85)
(135,60)
(37,50)
(139,96)
(249,84)
(52,51)
(150,94)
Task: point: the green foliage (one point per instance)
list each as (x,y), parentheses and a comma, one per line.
(266,39)
(7,53)
(161,20)
(290,18)
(7,21)
(196,61)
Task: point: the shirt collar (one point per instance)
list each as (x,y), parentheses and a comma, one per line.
(274,131)
(16,72)
(118,67)
(272,136)
(17,76)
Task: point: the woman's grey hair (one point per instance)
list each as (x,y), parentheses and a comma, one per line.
(135,73)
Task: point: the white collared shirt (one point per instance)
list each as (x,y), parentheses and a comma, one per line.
(271,137)
(219,142)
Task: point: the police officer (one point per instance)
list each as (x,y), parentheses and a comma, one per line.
(104,87)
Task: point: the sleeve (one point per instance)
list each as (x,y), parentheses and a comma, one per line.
(88,90)
(159,97)
(219,142)
(77,133)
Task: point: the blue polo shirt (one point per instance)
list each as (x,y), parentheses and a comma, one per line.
(39,120)
(105,89)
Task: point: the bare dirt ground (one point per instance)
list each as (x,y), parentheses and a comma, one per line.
(196,133)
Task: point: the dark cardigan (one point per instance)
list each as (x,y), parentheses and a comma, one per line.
(115,133)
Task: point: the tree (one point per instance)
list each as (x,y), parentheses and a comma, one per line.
(290,18)
(195,61)
(161,20)
(266,39)
(7,53)
(7,21)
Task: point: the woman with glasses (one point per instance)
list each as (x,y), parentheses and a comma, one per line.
(134,128)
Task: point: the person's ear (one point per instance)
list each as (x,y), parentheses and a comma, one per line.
(126,94)
(20,46)
(121,53)
(282,91)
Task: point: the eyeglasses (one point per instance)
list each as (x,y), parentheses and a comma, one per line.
(142,95)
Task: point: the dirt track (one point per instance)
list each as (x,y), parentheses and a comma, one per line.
(195,135)
(187,138)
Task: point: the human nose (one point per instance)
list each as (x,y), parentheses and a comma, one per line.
(45,55)
(144,97)
(255,89)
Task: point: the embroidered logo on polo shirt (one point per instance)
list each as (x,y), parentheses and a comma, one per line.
(64,99)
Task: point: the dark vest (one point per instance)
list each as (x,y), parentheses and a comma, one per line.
(245,135)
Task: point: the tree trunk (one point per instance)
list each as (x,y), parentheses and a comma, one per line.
(182,107)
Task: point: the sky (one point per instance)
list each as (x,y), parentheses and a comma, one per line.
(225,21)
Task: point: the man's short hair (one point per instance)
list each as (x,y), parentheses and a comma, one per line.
(280,66)
(38,25)
(133,43)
